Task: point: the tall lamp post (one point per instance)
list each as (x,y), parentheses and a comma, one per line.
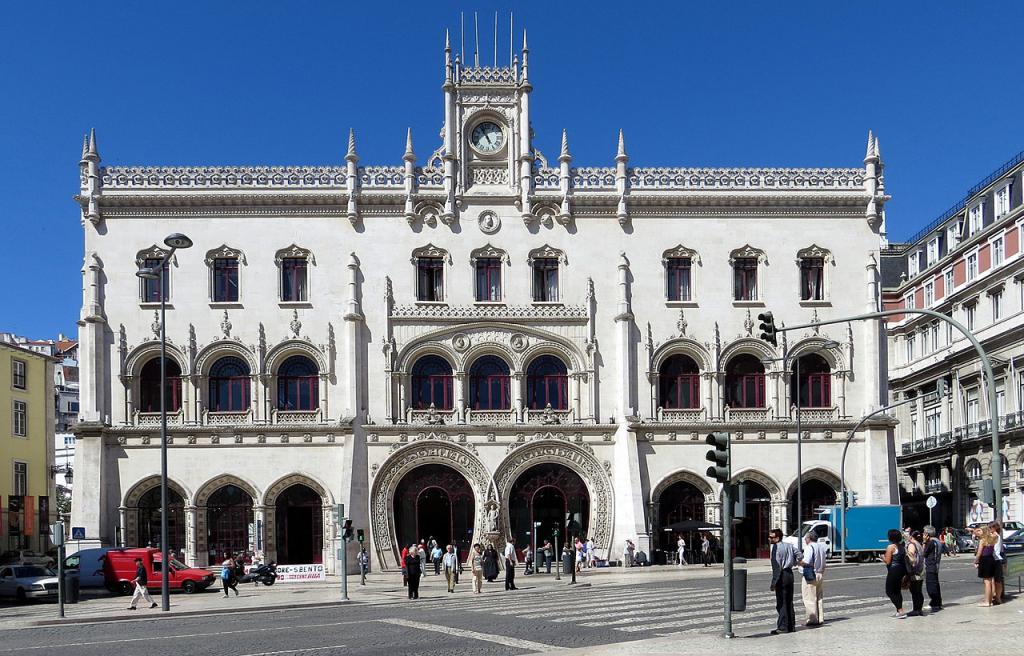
(830,344)
(174,242)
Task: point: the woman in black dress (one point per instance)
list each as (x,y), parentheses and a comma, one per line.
(896,564)
(985,561)
(490,563)
(413,571)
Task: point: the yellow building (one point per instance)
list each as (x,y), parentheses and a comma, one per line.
(27,487)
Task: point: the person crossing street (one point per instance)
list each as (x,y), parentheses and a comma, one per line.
(813,563)
(140,580)
(451,567)
(510,565)
(932,559)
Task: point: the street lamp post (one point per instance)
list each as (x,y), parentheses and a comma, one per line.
(174,242)
(830,344)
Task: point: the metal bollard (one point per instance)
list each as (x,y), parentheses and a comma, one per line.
(739,586)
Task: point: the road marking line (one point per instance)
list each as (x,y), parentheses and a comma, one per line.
(681,611)
(706,620)
(474,635)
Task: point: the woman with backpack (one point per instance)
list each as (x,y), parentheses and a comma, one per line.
(896,566)
(915,572)
(227,576)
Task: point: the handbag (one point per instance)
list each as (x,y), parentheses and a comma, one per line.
(809,575)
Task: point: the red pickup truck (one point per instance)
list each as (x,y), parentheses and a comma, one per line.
(119,572)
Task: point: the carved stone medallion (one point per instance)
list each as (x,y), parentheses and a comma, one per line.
(489,222)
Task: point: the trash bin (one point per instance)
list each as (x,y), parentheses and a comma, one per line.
(739,589)
(72,587)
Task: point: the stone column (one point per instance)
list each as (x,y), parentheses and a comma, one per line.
(575,381)
(516,382)
(919,404)
(459,390)
(261,533)
(120,539)
(191,546)
(91,506)
(403,397)
(777,407)
(708,380)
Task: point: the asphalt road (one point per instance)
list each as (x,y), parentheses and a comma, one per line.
(537,617)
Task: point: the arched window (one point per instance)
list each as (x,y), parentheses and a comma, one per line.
(432,383)
(744,382)
(678,383)
(149,386)
(974,470)
(298,384)
(814,388)
(488,384)
(229,385)
(547,382)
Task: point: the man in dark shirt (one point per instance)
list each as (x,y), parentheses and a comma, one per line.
(140,581)
(784,558)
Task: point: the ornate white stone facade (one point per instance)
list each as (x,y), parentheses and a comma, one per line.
(360,230)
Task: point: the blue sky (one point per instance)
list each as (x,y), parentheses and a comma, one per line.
(692,84)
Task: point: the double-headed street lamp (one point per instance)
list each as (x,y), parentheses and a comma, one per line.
(830,344)
(174,242)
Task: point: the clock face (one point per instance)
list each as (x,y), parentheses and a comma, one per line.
(487,137)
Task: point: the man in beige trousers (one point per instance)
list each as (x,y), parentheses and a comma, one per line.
(813,592)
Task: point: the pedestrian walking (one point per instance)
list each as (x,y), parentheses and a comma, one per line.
(424,555)
(591,553)
(435,557)
(510,565)
(999,553)
(915,572)
(896,571)
(580,555)
(932,558)
(528,561)
(681,550)
(431,543)
(414,569)
(363,558)
(490,563)
(227,576)
(705,549)
(784,557)
(813,591)
(549,555)
(239,571)
(451,567)
(140,580)
(630,550)
(568,563)
(476,566)
(405,573)
(985,561)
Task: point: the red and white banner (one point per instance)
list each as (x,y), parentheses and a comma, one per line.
(297,573)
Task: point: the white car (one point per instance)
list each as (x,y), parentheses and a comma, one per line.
(24,582)
(26,557)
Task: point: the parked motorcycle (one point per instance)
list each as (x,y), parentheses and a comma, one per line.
(265,574)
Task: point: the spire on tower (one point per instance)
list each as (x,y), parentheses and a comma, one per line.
(564,154)
(409,154)
(90,150)
(351,155)
(526,56)
(621,153)
(871,145)
(85,145)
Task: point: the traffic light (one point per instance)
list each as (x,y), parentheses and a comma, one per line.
(740,501)
(720,456)
(988,492)
(851,498)
(360,537)
(346,531)
(767,328)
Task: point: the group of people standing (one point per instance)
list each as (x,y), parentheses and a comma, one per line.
(414,565)
(810,561)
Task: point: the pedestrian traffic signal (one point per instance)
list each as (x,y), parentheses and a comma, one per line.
(740,501)
(346,531)
(767,328)
(719,455)
(359,535)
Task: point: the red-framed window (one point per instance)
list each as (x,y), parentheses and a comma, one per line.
(545,280)
(812,278)
(149,386)
(229,385)
(225,280)
(679,383)
(489,384)
(744,382)
(294,279)
(745,278)
(547,381)
(151,286)
(298,384)
(488,279)
(432,383)
(677,277)
(429,279)
(814,389)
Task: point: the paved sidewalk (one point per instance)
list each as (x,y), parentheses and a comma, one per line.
(961,627)
(98,606)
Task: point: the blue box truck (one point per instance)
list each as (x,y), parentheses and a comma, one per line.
(866,531)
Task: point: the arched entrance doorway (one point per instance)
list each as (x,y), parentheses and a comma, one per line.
(300,526)
(752,532)
(149,520)
(816,493)
(434,501)
(228,516)
(553,495)
(680,502)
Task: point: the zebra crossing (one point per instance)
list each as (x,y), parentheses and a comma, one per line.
(636,609)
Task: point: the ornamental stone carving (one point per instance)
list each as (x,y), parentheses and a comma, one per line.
(431,251)
(402,461)
(546,252)
(489,222)
(580,461)
(518,342)
(747,251)
(488,175)
(225,252)
(488,252)
(461,342)
(294,252)
(680,252)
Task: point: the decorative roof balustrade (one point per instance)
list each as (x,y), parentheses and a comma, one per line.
(487,76)
(382,176)
(686,179)
(222,177)
(546,178)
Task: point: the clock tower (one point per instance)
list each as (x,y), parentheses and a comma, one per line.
(487,142)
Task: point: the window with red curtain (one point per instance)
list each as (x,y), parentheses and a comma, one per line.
(547,381)
(679,383)
(745,273)
(744,382)
(298,384)
(149,386)
(488,279)
(229,385)
(432,383)
(677,276)
(489,384)
(294,272)
(225,280)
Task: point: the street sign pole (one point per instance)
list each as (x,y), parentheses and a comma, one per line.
(344,569)
(931,503)
(560,561)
